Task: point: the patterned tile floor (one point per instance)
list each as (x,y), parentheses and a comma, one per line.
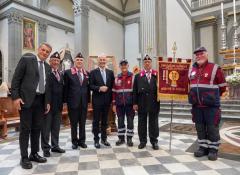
(120,160)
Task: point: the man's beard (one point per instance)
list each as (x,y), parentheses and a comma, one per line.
(201,62)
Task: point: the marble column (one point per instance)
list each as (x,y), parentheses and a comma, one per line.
(148,27)
(15,41)
(81,42)
(153,29)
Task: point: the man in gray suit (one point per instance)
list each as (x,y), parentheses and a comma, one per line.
(31,96)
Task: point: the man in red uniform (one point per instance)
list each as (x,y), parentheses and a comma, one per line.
(123,103)
(207,84)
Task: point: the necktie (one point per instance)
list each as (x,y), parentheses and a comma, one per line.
(103,76)
(149,76)
(56,75)
(80,77)
(41,78)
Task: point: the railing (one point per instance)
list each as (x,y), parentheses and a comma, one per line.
(203,3)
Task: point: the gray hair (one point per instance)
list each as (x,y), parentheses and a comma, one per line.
(45,44)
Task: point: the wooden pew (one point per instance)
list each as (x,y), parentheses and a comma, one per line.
(9,113)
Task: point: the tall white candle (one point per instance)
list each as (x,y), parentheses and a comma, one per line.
(222,13)
(234,11)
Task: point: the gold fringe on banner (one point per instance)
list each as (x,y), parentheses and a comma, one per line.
(177,97)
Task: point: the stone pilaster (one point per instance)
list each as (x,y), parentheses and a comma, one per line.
(15,41)
(42,32)
(81,11)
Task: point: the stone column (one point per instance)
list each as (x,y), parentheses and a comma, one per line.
(148,27)
(42,32)
(15,41)
(81,42)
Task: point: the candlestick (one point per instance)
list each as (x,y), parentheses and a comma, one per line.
(234,11)
(222,13)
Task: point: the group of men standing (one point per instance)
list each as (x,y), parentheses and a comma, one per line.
(39,91)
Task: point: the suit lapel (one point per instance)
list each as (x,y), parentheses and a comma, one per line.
(35,65)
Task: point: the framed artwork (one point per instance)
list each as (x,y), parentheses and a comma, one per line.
(29,35)
(111,63)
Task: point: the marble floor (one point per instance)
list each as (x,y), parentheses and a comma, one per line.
(119,160)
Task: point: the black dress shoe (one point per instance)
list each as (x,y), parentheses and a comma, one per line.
(106,143)
(25,163)
(129,142)
(82,145)
(58,150)
(155,146)
(37,158)
(97,145)
(141,145)
(46,153)
(120,142)
(74,146)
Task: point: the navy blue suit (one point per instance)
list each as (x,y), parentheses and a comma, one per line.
(101,101)
(77,97)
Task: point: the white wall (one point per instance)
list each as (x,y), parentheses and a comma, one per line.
(206,40)
(179,29)
(62,8)
(59,38)
(4,47)
(105,36)
(132,45)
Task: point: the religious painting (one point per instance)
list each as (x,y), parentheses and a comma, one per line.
(111,63)
(29,35)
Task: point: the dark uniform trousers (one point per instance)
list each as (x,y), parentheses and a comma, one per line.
(30,124)
(51,123)
(123,111)
(153,128)
(207,125)
(77,117)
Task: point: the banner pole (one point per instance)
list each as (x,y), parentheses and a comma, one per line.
(170,141)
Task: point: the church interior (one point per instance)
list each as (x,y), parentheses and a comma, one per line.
(166,30)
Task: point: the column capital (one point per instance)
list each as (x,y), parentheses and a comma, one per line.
(14,17)
(80,7)
(42,26)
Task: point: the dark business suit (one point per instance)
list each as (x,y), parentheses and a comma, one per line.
(24,84)
(145,96)
(101,101)
(52,122)
(77,97)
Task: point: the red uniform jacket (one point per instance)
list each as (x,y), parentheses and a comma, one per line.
(123,90)
(207,83)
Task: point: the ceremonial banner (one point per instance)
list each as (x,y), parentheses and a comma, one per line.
(173,80)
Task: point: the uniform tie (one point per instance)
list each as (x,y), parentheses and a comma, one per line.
(80,77)
(56,75)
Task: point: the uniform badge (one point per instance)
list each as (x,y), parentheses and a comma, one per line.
(193,74)
(129,82)
(119,82)
(206,75)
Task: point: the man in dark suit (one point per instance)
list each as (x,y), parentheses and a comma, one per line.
(31,96)
(77,97)
(101,83)
(52,121)
(145,102)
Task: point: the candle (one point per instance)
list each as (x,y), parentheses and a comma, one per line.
(222,13)
(234,11)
